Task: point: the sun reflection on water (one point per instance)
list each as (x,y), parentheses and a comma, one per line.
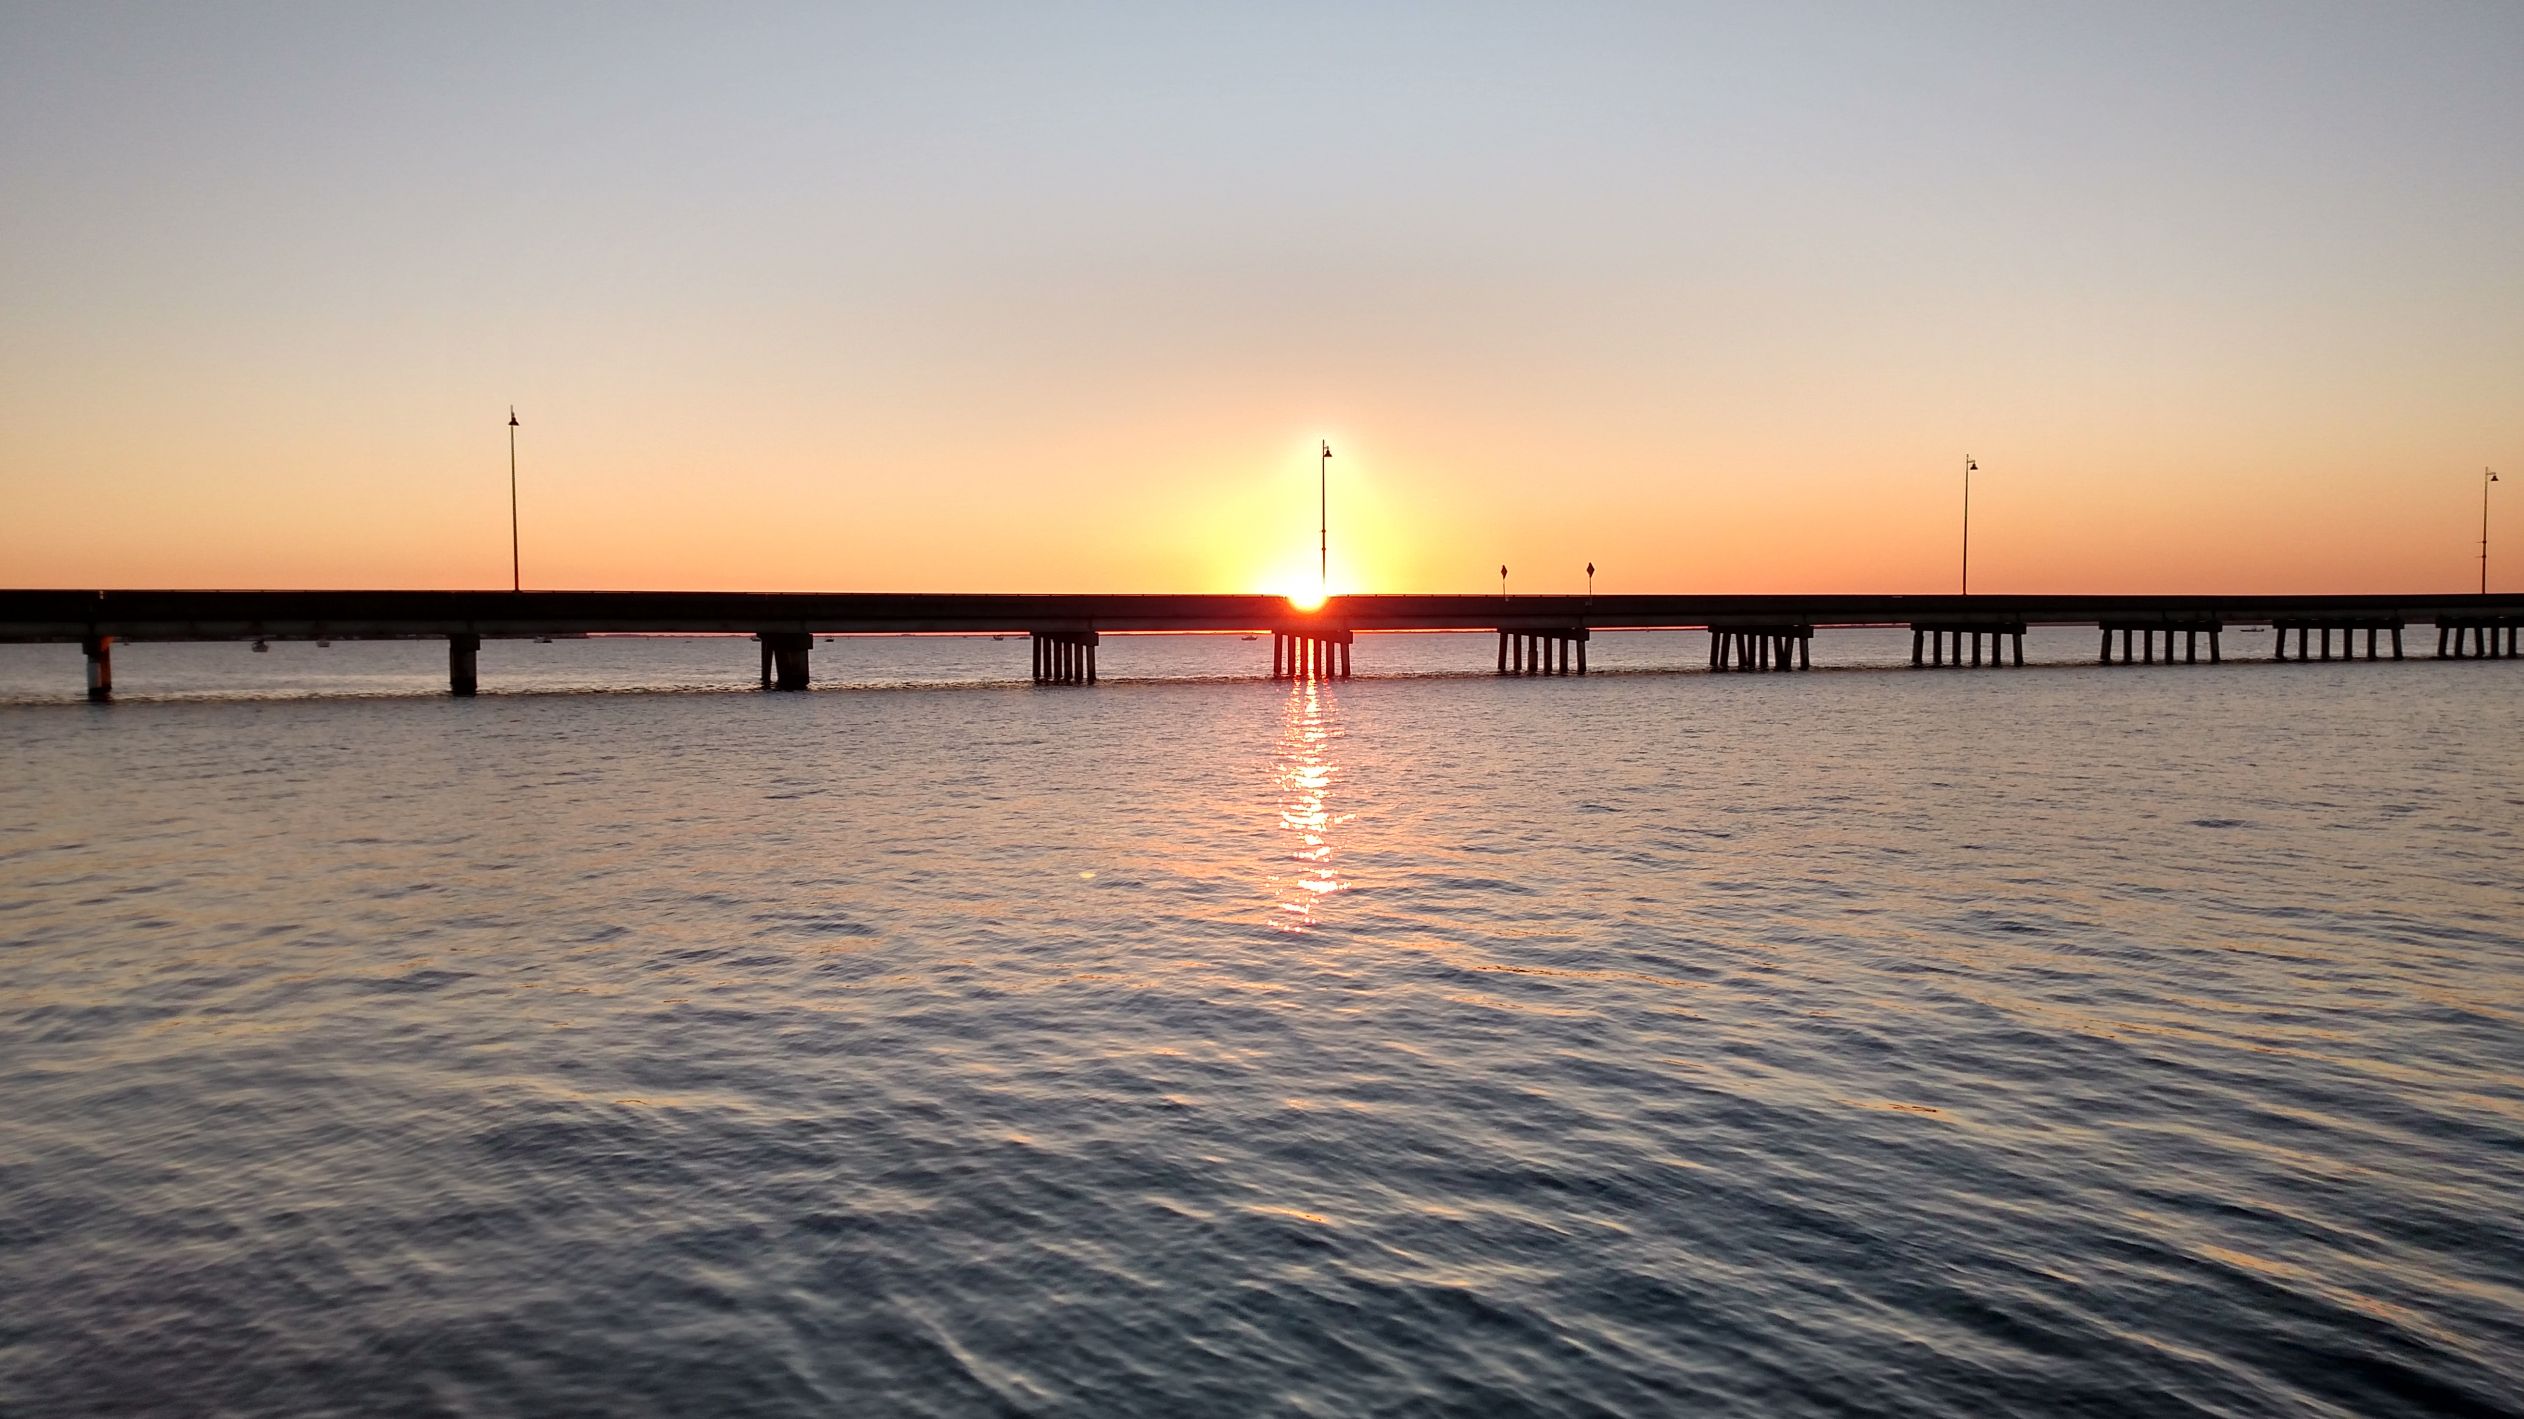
(1306,772)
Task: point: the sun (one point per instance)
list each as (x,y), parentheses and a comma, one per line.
(1306,600)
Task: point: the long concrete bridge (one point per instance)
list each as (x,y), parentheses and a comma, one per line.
(1537,635)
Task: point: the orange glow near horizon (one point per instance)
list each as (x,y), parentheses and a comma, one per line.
(1426,508)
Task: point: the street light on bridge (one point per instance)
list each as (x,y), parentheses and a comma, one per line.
(1968,467)
(2486,478)
(516,578)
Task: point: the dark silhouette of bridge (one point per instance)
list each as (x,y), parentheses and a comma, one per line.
(1537,635)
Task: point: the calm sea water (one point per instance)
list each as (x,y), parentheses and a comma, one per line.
(2060,1040)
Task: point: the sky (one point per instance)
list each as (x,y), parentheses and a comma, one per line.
(2222,297)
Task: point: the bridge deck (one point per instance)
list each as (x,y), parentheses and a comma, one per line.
(242,615)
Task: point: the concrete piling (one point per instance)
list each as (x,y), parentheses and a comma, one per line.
(100,652)
(461,652)
(1323,653)
(1555,651)
(1069,657)
(2178,638)
(1753,648)
(784,656)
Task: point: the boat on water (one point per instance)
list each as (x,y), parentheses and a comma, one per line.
(262,647)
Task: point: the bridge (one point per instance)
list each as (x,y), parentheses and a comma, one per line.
(1537,635)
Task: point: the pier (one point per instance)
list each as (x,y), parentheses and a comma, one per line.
(1537,635)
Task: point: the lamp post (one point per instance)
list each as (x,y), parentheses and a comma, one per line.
(1968,466)
(1502,581)
(1323,525)
(516,578)
(2486,478)
(1590,581)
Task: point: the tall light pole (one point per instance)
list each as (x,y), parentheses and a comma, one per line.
(516,578)
(2486,478)
(1323,527)
(1968,466)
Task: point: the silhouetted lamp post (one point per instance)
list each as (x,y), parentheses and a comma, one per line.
(1323,527)
(1590,581)
(516,578)
(1968,467)
(2486,478)
(1502,581)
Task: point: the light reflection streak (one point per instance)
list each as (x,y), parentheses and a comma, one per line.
(1306,772)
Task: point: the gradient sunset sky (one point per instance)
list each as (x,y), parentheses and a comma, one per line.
(2223,297)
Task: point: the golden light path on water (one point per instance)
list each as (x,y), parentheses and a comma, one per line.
(1306,771)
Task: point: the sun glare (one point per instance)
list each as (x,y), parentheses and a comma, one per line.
(1305,600)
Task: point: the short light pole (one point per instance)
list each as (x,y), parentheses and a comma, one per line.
(1323,524)
(1502,581)
(2486,478)
(516,577)
(1968,466)
(1590,581)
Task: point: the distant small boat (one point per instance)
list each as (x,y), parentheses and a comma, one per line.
(2252,630)
(543,640)
(1253,638)
(324,645)
(262,647)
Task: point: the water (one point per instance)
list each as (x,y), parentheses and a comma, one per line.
(2055,1040)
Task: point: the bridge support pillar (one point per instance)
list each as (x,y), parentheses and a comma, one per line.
(461,650)
(2180,639)
(100,651)
(1320,653)
(1980,643)
(1750,647)
(2306,629)
(1067,657)
(784,655)
(1552,651)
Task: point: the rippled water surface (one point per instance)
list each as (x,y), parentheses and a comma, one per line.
(2049,1040)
